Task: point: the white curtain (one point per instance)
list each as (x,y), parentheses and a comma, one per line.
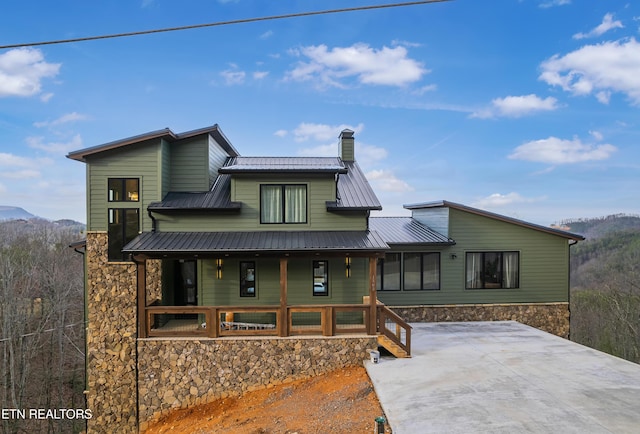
(474,270)
(271,204)
(296,203)
(510,274)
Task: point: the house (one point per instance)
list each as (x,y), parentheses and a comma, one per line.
(209,273)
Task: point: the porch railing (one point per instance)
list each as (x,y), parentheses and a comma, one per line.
(217,321)
(394,327)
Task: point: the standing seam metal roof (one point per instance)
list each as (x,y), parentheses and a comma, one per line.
(406,230)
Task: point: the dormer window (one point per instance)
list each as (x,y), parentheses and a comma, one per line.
(124,189)
(283,203)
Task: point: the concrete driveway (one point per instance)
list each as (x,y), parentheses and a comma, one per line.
(505,377)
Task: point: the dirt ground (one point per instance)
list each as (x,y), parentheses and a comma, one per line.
(339,402)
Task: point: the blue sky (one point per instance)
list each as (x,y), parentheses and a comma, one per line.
(527,108)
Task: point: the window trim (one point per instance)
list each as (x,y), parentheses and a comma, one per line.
(123,187)
(283,204)
(482,271)
(324,293)
(243,287)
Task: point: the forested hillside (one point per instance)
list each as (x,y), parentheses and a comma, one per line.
(605,285)
(41,325)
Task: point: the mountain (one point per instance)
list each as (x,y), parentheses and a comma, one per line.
(14,213)
(593,228)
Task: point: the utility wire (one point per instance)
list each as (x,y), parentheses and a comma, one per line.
(224,23)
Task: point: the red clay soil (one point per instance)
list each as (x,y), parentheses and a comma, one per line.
(339,402)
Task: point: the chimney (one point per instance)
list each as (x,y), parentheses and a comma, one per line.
(347,146)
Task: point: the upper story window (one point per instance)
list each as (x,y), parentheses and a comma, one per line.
(492,270)
(283,203)
(124,189)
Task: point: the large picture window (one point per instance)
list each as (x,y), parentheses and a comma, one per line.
(492,270)
(283,203)
(123,226)
(124,190)
(388,278)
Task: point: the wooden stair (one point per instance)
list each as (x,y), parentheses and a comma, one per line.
(392,347)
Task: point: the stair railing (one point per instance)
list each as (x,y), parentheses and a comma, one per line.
(394,328)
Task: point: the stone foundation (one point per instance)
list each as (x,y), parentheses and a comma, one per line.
(182,372)
(549,317)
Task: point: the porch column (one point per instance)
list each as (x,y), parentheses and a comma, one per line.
(284,319)
(373,301)
(141,268)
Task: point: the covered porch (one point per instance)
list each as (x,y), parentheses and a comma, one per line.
(321,284)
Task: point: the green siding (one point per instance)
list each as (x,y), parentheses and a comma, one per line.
(140,161)
(544,267)
(190,165)
(246,189)
(226,291)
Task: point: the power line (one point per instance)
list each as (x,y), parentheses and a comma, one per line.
(223,23)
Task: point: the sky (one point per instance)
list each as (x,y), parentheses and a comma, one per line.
(527,108)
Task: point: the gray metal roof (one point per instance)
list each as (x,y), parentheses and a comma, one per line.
(406,230)
(354,191)
(203,243)
(447,204)
(284,164)
(218,198)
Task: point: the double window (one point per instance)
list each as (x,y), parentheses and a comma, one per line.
(283,203)
(492,270)
(408,271)
(124,189)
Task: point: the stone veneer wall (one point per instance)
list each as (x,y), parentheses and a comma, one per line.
(549,317)
(111,337)
(181,372)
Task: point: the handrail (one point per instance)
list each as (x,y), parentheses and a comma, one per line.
(398,337)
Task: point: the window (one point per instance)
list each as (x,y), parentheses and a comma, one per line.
(421,271)
(283,203)
(493,270)
(124,189)
(247,279)
(123,226)
(320,277)
(388,278)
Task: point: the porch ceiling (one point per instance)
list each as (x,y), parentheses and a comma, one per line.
(161,244)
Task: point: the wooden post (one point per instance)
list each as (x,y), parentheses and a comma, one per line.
(373,302)
(284,320)
(141,268)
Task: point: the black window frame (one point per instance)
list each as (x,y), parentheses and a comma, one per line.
(483,272)
(380,273)
(283,204)
(123,188)
(243,279)
(422,270)
(325,277)
(118,232)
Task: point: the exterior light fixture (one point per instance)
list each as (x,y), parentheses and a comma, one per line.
(453,256)
(347,266)
(218,268)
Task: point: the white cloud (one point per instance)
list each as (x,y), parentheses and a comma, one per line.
(58,148)
(16,167)
(597,135)
(386,180)
(425,89)
(551,3)
(21,174)
(498,200)
(10,160)
(22,71)
(558,151)
(267,34)
(606,25)
(602,68)
(259,75)
(517,106)
(331,67)
(281,133)
(322,132)
(233,76)
(69,117)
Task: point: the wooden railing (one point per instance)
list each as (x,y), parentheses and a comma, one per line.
(216,321)
(394,327)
